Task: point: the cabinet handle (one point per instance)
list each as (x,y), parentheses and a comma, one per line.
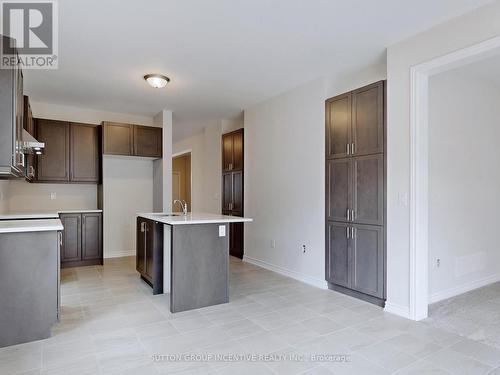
(352,215)
(347,151)
(352,148)
(348,215)
(352,232)
(347,232)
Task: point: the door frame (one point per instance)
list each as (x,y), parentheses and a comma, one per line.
(190,153)
(419,168)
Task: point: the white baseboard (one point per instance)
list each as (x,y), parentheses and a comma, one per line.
(464,288)
(397,309)
(286,272)
(119,253)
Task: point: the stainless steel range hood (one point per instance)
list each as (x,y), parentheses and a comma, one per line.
(30,145)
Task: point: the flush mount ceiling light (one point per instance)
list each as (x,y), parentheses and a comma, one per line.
(157,81)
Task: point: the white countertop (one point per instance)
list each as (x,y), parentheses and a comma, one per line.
(193,218)
(40,225)
(41,214)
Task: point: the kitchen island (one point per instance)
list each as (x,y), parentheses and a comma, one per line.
(195,256)
(29,279)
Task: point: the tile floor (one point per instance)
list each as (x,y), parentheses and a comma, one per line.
(475,315)
(111,324)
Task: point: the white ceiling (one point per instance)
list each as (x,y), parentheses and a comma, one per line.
(222,55)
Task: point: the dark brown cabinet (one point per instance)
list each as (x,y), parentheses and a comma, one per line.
(338,254)
(149,253)
(81,239)
(71,246)
(147,141)
(118,139)
(355,193)
(355,122)
(232,151)
(356,189)
(53,165)
(132,140)
(71,152)
(91,236)
(355,257)
(84,153)
(232,187)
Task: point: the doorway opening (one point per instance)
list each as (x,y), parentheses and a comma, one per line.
(422,236)
(181,180)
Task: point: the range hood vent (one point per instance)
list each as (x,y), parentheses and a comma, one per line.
(30,145)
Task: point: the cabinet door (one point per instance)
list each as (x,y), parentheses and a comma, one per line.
(237,201)
(149,247)
(147,141)
(227,191)
(140,245)
(238,150)
(338,126)
(338,189)
(368,260)
(368,119)
(338,254)
(118,139)
(227,152)
(53,165)
(71,241)
(84,146)
(368,191)
(236,240)
(91,236)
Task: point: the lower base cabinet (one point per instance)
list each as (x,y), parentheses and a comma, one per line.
(355,259)
(149,253)
(81,239)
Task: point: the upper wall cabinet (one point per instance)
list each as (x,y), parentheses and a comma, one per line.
(53,165)
(147,141)
(118,139)
(84,153)
(71,152)
(355,122)
(232,151)
(132,140)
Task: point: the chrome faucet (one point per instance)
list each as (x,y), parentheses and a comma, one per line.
(184,206)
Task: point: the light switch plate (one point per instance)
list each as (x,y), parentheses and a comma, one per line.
(222,231)
(53,196)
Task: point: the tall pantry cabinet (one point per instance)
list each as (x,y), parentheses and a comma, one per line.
(232,187)
(355,193)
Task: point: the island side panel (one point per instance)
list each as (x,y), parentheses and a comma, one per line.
(28,286)
(167,244)
(200,262)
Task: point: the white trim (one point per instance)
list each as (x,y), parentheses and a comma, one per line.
(464,288)
(396,309)
(181,153)
(119,253)
(286,272)
(419,204)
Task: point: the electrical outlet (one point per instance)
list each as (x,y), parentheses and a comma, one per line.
(303,249)
(53,196)
(273,244)
(438,262)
